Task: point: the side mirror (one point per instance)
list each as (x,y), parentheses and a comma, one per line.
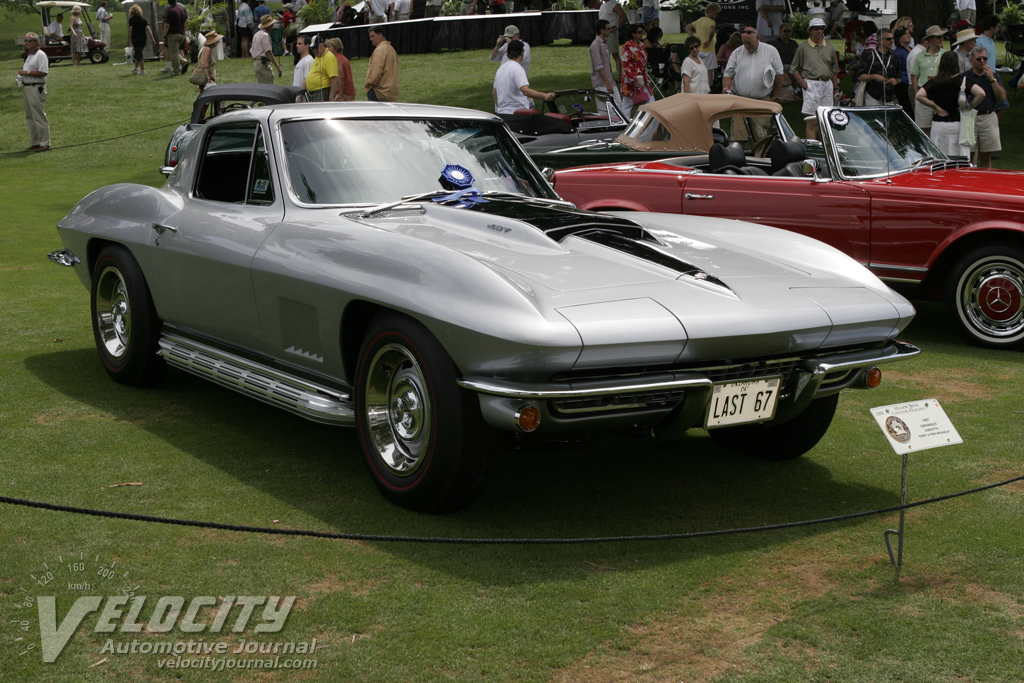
(549,174)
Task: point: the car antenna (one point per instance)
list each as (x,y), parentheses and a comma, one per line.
(885,124)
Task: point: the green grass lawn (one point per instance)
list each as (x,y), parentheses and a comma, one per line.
(811,604)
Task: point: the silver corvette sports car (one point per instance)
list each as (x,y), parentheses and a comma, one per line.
(408,271)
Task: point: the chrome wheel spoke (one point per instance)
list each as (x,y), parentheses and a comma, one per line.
(113,313)
(398,410)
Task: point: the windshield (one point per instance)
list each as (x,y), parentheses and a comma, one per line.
(859,141)
(589,109)
(368,161)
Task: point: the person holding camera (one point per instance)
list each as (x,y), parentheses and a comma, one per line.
(500,51)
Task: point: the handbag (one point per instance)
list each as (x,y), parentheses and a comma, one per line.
(640,96)
(198,76)
(967,117)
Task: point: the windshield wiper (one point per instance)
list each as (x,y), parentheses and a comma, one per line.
(525,198)
(928,159)
(373,210)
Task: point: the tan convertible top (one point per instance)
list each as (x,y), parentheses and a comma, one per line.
(687,119)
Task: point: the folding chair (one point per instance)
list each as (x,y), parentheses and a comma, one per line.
(1014,45)
(657,70)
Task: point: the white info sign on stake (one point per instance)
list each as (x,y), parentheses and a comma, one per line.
(916,426)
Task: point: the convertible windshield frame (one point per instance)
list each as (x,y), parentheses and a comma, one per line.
(366,161)
(868,143)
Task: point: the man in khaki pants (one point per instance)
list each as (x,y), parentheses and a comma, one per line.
(33,77)
(262,54)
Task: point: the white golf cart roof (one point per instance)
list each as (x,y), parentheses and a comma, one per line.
(63,4)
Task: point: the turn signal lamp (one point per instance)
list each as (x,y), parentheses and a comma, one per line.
(872,378)
(527,418)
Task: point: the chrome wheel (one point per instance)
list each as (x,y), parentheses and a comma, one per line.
(992,298)
(398,410)
(113,312)
(985,296)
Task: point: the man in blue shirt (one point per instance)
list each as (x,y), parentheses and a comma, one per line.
(260,11)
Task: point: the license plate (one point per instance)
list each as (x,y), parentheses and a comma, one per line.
(741,402)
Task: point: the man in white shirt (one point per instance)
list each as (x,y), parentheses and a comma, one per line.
(302,66)
(967,10)
(33,80)
(770,15)
(400,10)
(378,10)
(754,70)
(511,87)
(498,54)
(103,17)
(56,29)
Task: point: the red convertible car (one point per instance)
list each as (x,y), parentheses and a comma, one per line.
(875,188)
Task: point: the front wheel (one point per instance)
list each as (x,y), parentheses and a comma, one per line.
(97,57)
(985,296)
(124,321)
(785,441)
(422,435)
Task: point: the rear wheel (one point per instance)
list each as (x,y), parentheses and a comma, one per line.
(422,435)
(985,296)
(124,321)
(786,441)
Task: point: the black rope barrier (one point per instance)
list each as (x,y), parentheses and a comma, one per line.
(496,541)
(97,142)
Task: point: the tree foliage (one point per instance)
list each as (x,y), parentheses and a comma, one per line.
(11,7)
(925,12)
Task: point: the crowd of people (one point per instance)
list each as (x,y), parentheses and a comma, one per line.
(943,90)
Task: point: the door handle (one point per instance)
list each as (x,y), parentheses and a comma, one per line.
(690,195)
(160,228)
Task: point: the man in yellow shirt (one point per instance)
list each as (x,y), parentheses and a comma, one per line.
(322,82)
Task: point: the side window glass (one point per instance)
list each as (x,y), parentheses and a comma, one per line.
(226,162)
(261,186)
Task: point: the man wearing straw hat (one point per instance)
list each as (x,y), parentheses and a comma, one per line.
(964,43)
(262,53)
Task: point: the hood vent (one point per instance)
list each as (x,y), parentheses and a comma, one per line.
(649,252)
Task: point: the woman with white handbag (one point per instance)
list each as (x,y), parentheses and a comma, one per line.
(947,93)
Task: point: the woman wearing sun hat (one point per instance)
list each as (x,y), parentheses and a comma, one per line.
(262,54)
(205,65)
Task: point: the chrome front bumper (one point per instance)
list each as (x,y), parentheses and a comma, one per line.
(645,399)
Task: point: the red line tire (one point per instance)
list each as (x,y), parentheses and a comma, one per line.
(421,434)
(124,321)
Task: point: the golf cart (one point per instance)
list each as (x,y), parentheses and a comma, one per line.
(57,49)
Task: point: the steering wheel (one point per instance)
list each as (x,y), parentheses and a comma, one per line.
(235,105)
(760,148)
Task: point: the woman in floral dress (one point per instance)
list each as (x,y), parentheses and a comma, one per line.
(636,86)
(79,43)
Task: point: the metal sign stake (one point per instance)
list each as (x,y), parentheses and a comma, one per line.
(897,559)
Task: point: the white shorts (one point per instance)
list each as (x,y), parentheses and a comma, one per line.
(923,114)
(817,94)
(946,136)
(709,59)
(986,131)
